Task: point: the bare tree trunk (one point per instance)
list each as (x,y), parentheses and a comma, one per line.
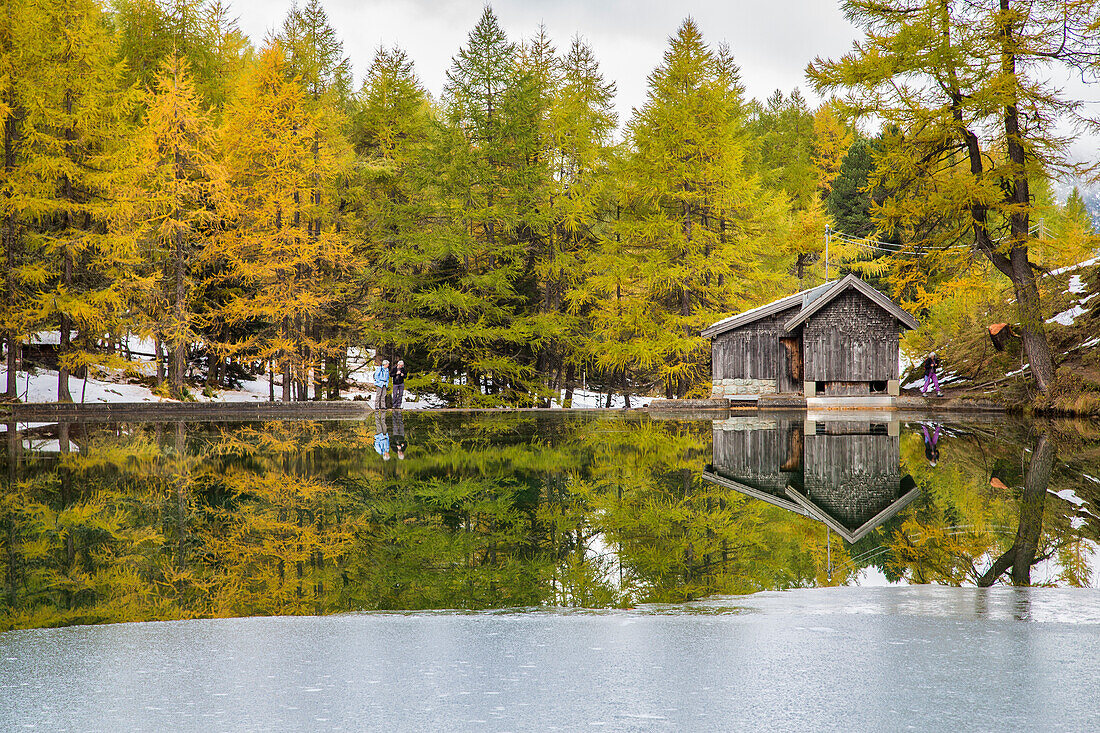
(570,383)
(286,360)
(11,337)
(65,345)
(158,353)
(319,358)
(179,345)
(14,347)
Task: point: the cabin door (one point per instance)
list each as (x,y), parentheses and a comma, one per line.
(790,365)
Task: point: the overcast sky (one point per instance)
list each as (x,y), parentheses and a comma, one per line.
(772,40)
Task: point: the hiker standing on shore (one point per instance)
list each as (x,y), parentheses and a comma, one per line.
(381,381)
(931,366)
(398,384)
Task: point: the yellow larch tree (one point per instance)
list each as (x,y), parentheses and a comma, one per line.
(73,136)
(182,195)
(284,251)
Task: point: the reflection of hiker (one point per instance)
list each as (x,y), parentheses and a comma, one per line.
(931,365)
(931,444)
(381,381)
(399,443)
(381,437)
(398,384)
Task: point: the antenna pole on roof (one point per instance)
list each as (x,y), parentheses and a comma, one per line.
(826,253)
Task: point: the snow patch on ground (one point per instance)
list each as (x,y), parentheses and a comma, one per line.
(41,386)
(584,399)
(1070,496)
(1070,268)
(1068,316)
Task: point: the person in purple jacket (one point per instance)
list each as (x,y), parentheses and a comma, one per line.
(931,365)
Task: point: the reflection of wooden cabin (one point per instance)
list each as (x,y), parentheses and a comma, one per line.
(837,339)
(846,475)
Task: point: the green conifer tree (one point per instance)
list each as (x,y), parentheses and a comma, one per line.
(696,218)
(18,29)
(582,124)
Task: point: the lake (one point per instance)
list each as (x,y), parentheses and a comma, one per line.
(599,548)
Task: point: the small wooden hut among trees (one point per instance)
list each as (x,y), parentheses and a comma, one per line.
(837,339)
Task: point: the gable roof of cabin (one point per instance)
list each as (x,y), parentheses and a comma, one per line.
(811,301)
(851,281)
(802,299)
(853,535)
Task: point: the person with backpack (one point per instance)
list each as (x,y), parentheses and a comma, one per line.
(381,381)
(931,365)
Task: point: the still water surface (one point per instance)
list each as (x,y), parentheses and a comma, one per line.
(161,520)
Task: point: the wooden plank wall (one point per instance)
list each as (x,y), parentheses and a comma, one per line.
(751,351)
(850,340)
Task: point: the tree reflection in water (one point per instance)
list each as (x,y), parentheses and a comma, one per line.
(117,522)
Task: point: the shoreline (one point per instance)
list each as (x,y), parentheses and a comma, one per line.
(348,410)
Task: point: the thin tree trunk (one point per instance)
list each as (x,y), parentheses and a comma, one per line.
(158,352)
(570,383)
(63,394)
(286,360)
(11,337)
(14,347)
(179,344)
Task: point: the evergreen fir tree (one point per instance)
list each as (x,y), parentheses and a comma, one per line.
(315,60)
(18,31)
(479,332)
(392,124)
(582,122)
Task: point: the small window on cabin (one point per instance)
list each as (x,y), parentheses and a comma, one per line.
(878,386)
(820,388)
(879,428)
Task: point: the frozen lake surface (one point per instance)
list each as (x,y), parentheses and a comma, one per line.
(920,657)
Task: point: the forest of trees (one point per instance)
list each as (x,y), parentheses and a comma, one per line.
(244,207)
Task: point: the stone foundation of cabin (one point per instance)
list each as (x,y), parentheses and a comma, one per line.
(742,387)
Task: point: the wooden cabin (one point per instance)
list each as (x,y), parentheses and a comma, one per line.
(844,474)
(838,339)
